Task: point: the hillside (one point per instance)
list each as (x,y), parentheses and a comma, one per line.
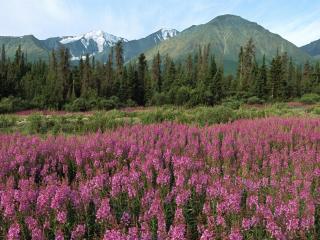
(313,49)
(226,34)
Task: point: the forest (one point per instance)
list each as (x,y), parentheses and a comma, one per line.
(197,80)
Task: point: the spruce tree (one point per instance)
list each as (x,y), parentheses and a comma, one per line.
(140,88)
(261,84)
(156,73)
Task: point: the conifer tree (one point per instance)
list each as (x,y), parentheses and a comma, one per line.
(156,73)
(261,84)
(140,87)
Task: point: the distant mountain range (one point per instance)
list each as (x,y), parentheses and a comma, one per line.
(95,43)
(225,34)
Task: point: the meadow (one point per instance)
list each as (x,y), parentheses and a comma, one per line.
(67,123)
(162,173)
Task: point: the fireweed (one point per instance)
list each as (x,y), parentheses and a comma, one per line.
(251,179)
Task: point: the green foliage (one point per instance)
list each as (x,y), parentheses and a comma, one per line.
(311,98)
(182,96)
(232,103)
(254,100)
(12,104)
(218,114)
(78,123)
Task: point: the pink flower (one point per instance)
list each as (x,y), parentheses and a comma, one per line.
(235,235)
(59,235)
(14,232)
(113,235)
(62,217)
(79,232)
(207,235)
(177,232)
(104,211)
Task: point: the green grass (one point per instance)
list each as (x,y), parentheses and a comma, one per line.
(78,123)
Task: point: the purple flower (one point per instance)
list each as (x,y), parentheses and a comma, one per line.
(14,232)
(62,217)
(79,232)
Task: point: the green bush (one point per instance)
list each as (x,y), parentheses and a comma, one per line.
(254,100)
(310,98)
(79,105)
(232,103)
(12,104)
(182,96)
(159,99)
(39,124)
(316,111)
(212,115)
(6,105)
(7,121)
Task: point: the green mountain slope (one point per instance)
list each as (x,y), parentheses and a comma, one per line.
(33,47)
(226,34)
(313,49)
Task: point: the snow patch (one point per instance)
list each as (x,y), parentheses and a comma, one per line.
(102,39)
(168,33)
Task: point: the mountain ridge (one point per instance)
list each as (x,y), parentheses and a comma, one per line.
(225,33)
(313,48)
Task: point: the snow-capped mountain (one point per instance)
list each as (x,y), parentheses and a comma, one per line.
(135,47)
(99,38)
(95,43)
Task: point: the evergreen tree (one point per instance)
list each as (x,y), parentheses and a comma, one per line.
(217,90)
(51,80)
(247,66)
(261,84)
(140,87)
(64,81)
(87,86)
(3,72)
(156,73)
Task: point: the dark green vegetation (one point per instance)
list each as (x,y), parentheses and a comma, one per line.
(79,123)
(197,80)
(185,70)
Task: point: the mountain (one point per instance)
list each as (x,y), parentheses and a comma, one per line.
(135,47)
(95,43)
(226,34)
(313,49)
(33,48)
(90,43)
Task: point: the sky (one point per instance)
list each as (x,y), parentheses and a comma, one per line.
(296,20)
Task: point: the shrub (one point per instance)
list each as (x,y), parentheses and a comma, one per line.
(12,104)
(182,96)
(212,115)
(232,103)
(310,98)
(6,105)
(159,99)
(254,100)
(79,105)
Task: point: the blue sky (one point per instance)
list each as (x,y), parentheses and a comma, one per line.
(295,20)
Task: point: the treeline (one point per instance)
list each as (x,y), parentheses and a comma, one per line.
(198,80)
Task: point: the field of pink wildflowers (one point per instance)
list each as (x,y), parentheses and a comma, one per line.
(251,179)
